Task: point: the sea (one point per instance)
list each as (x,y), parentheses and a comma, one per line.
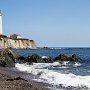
(64,75)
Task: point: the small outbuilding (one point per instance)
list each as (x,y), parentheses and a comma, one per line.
(15,36)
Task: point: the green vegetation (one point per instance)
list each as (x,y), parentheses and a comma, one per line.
(19,39)
(3,36)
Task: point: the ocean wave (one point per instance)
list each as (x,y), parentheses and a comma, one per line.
(66,64)
(53,77)
(56,48)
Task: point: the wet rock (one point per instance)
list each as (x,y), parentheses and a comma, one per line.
(75,57)
(17,78)
(46,59)
(21,59)
(63,57)
(35,58)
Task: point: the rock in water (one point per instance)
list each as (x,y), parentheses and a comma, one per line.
(63,57)
(21,59)
(38,59)
(35,58)
(46,59)
(74,57)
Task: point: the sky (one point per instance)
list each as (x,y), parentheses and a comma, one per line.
(51,23)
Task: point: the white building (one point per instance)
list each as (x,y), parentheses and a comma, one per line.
(0,23)
(15,36)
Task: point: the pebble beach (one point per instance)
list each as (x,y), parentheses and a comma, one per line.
(13,80)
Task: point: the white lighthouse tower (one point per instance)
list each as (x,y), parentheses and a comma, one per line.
(0,22)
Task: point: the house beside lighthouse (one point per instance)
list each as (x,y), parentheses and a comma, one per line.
(15,36)
(0,23)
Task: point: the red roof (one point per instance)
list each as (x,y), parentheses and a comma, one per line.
(18,34)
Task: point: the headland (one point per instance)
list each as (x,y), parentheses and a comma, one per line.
(16,42)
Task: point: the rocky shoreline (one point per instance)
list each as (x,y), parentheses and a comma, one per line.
(16,80)
(9,58)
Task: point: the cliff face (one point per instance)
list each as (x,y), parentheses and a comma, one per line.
(6,42)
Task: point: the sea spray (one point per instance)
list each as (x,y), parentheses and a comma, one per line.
(54,77)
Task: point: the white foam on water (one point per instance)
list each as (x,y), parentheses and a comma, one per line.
(55,48)
(45,57)
(53,77)
(77,64)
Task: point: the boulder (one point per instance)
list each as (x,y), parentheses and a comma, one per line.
(46,59)
(34,58)
(74,57)
(63,57)
(21,59)
(7,58)
(2,63)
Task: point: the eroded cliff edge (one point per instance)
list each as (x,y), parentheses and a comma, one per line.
(18,43)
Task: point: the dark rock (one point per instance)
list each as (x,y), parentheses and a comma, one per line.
(46,60)
(35,58)
(10,79)
(75,57)
(63,57)
(17,78)
(7,58)
(21,59)
(2,63)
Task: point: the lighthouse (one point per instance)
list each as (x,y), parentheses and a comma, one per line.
(0,23)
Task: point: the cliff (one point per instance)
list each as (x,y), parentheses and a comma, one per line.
(18,43)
